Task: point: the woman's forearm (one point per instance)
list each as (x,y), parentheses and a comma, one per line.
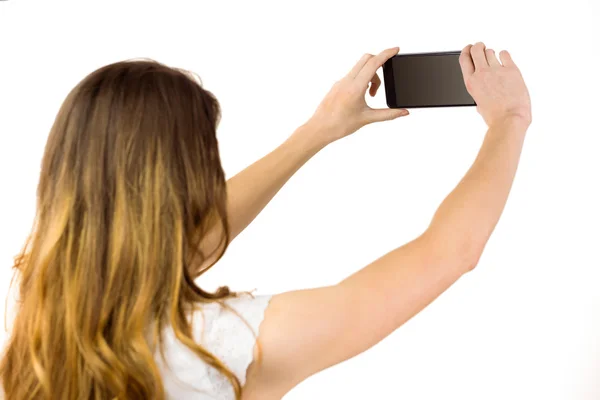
(252,189)
(469,214)
(249,191)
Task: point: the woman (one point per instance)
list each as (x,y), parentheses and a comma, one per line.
(133,206)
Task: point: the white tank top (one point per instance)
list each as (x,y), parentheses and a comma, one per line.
(224,334)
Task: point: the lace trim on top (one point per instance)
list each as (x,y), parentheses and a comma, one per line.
(223,333)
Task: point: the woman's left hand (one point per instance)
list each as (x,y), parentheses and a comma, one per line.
(344,110)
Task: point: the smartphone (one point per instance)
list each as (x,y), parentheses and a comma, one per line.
(425,80)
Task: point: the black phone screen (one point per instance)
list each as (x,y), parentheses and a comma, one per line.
(425,80)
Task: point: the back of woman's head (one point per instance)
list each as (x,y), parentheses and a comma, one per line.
(130,182)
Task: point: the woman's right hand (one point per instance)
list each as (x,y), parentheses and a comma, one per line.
(498,89)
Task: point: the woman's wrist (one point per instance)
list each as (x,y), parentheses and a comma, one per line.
(313,135)
(308,139)
(513,122)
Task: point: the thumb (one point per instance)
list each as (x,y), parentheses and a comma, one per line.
(385,114)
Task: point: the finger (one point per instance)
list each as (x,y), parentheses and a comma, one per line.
(478,56)
(359,65)
(375,84)
(374,63)
(385,114)
(466,62)
(490,56)
(506,59)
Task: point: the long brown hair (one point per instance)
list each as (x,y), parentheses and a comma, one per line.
(131,181)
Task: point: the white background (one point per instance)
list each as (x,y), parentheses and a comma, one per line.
(525,324)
